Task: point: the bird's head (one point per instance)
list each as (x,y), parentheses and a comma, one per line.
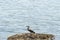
(27,26)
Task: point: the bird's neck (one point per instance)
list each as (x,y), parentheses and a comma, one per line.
(28,28)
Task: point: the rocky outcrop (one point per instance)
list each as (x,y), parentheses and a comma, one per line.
(31,36)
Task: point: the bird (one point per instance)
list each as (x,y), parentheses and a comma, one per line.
(31,31)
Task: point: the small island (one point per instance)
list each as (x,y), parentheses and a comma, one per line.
(31,36)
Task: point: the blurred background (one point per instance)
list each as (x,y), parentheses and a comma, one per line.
(43,16)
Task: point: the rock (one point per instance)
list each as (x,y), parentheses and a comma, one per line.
(31,36)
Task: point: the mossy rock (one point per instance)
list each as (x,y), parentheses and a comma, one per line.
(31,36)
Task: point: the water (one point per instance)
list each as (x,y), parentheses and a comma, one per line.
(42,15)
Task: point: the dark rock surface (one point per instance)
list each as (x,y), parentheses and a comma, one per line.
(31,36)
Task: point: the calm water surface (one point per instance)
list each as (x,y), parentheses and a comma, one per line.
(42,15)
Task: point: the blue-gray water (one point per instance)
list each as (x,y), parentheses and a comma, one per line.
(42,15)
